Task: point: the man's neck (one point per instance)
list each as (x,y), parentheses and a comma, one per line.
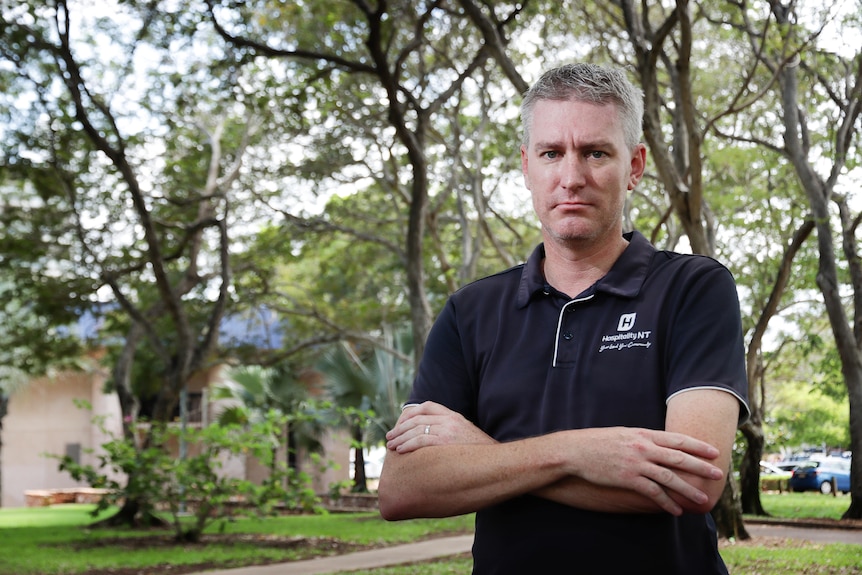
(571,269)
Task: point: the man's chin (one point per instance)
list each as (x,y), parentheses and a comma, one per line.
(573,234)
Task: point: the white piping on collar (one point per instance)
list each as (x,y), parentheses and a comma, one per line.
(560,324)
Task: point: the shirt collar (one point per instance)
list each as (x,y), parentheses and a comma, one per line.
(624,279)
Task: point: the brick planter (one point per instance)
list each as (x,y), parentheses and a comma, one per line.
(45,497)
(351,502)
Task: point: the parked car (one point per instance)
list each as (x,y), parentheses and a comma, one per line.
(769,470)
(819,475)
(772,477)
(787,466)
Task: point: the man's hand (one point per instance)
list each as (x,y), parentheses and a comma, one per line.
(429,423)
(654,464)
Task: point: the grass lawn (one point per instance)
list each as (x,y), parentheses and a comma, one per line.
(56,540)
(808,505)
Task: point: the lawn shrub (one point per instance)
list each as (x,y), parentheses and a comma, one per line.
(194,484)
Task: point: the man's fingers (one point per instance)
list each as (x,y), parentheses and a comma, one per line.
(677,460)
(670,481)
(684,453)
(432,424)
(659,495)
(685,444)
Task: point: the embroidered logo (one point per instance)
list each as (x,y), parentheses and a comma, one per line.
(627,322)
(626,338)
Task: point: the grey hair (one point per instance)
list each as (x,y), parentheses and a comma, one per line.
(588,83)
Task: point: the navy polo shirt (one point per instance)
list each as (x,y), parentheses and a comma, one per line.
(519,359)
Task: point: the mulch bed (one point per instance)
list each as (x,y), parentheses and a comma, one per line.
(302,547)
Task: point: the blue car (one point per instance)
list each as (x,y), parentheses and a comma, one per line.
(819,475)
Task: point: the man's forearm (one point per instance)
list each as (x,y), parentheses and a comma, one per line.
(446,480)
(576,492)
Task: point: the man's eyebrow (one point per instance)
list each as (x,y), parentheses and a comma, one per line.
(546,144)
(602,144)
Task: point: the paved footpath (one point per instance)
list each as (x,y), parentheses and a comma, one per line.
(446,546)
(818,534)
(371,559)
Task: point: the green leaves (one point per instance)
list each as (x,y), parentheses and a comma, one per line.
(196,482)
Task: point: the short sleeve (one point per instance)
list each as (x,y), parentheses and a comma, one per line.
(706,347)
(443,375)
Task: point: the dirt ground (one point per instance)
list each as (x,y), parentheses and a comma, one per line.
(307,547)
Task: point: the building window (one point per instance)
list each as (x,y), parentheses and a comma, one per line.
(195,406)
(73,452)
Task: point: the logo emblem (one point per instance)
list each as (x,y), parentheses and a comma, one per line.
(627,322)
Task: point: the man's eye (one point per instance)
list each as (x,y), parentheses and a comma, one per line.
(551,154)
(596,154)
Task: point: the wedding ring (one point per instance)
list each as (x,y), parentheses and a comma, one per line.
(427,429)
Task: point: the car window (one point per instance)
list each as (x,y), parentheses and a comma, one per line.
(837,466)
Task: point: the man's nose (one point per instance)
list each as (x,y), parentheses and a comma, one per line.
(573,171)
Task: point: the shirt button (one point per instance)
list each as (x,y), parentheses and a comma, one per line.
(568,336)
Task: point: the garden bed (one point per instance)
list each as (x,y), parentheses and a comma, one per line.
(46,497)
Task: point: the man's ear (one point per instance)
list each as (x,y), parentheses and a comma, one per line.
(524,161)
(638,165)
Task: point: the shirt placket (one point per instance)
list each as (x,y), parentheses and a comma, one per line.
(566,341)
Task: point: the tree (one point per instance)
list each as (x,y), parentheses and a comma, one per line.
(769,263)
(374,387)
(817,85)
(412,60)
(397,118)
(133,189)
(260,391)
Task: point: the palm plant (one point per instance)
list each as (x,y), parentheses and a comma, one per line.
(372,387)
(257,391)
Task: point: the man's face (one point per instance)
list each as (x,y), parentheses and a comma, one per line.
(578,169)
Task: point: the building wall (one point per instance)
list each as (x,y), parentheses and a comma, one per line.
(43,419)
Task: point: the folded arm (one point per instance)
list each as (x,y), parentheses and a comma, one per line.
(456,468)
(706,415)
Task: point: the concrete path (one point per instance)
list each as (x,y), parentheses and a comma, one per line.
(818,534)
(431,549)
(447,546)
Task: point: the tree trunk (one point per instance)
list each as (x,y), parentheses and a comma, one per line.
(131,514)
(752,430)
(727,513)
(360,481)
(820,192)
(678,166)
(854,389)
(749,469)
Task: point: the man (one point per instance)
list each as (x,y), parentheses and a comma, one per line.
(585,403)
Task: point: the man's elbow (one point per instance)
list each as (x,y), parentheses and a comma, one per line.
(392,500)
(713,491)
(388,505)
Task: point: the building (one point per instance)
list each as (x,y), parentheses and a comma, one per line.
(71,414)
